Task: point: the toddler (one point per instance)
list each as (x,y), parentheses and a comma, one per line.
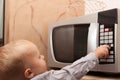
(21,60)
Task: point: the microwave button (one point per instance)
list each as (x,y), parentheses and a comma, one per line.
(110,37)
(101,26)
(101,34)
(110,60)
(111,56)
(111,52)
(103,60)
(106,33)
(101,30)
(111,45)
(110,41)
(106,29)
(106,41)
(106,37)
(101,42)
(110,33)
(101,38)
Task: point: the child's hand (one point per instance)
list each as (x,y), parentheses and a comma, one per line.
(102,51)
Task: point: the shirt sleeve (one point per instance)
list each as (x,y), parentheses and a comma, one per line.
(75,71)
(78,69)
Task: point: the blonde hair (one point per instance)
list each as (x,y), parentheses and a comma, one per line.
(12,58)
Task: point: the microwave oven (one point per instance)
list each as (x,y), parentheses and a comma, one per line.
(74,38)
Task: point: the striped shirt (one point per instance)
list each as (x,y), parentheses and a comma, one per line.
(75,71)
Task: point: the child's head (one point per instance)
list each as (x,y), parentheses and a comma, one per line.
(19,60)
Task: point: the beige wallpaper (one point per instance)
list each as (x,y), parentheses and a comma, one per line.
(29,19)
(93,6)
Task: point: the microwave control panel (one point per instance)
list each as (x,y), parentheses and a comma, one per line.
(106,36)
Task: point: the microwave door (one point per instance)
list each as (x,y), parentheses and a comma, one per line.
(92,37)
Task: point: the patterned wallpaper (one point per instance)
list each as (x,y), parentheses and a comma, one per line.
(92,6)
(30,19)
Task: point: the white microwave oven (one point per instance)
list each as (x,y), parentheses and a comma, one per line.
(74,38)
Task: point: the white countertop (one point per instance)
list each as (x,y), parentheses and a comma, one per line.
(101,76)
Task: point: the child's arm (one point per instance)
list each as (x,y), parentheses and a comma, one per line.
(78,69)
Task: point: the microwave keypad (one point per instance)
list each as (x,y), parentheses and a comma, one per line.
(106,36)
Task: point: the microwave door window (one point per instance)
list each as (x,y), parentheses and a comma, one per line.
(70,42)
(63,43)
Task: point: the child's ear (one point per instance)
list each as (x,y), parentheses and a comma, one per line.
(28,73)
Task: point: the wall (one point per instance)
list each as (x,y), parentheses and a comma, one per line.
(92,6)
(29,19)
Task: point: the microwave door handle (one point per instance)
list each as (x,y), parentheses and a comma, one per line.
(92,37)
